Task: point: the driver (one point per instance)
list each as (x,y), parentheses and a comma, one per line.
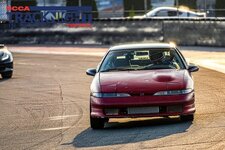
(158,58)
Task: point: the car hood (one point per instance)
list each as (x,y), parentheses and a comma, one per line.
(148,82)
(3,49)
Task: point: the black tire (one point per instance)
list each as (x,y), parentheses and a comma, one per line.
(187,117)
(7,75)
(97,123)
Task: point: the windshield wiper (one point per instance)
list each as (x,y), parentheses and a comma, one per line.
(152,67)
(118,69)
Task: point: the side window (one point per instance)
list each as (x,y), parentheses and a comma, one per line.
(192,15)
(172,13)
(183,14)
(162,13)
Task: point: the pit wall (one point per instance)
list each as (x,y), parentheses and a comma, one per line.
(109,32)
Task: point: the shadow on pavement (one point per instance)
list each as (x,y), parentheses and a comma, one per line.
(2,80)
(130,132)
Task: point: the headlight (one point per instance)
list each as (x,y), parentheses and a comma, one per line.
(5,56)
(110,95)
(173,92)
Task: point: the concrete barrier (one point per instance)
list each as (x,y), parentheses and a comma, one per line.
(188,32)
(195,33)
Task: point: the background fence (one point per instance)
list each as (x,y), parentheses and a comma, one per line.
(124,8)
(194,32)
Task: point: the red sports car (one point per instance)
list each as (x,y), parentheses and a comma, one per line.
(142,80)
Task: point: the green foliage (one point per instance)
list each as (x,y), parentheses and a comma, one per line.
(72,3)
(84,3)
(133,7)
(132,12)
(192,4)
(220,4)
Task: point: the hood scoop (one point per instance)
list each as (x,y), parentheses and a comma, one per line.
(164,76)
(160,77)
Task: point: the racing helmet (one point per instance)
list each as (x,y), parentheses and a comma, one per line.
(156,56)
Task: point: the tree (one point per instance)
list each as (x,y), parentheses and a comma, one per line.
(220,4)
(135,7)
(72,3)
(84,3)
(192,4)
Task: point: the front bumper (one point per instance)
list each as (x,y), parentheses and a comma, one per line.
(180,104)
(6,67)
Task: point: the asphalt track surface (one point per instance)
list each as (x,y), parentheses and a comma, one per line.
(46,106)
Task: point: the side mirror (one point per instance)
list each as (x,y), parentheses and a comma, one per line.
(193,68)
(91,72)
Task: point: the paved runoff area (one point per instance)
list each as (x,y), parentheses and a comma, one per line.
(208,57)
(46,106)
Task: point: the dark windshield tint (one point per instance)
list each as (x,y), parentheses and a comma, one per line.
(142,59)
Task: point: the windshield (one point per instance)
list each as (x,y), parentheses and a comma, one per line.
(142,59)
(151,13)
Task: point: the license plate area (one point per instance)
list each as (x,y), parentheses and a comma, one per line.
(143,110)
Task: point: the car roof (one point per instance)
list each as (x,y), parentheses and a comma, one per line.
(142,46)
(168,8)
(173,8)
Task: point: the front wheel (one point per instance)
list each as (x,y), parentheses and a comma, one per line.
(97,123)
(7,75)
(187,117)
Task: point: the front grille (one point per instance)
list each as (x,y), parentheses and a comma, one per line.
(144,110)
(111,111)
(141,94)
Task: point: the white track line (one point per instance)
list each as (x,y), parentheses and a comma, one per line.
(52,129)
(211,64)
